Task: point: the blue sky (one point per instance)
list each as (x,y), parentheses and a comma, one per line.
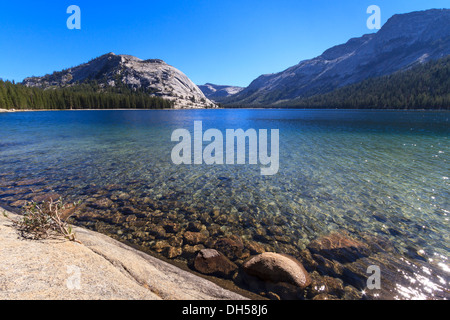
(224,42)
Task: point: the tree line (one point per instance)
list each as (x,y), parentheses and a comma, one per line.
(89,95)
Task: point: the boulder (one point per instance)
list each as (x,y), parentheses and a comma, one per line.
(210,261)
(274,267)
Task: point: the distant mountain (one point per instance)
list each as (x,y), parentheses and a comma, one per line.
(424,86)
(218,92)
(111,70)
(403,42)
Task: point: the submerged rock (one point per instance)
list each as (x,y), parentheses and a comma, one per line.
(127,210)
(255,247)
(210,261)
(325,296)
(19,203)
(30,182)
(102,203)
(274,267)
(190,251)
(172,252)
(120,196)
(171,227)
(232,247)
(113,187)
(87,216)
(194,238)
(195,226)
(339,246)
(325,285)
(160,246)
(175,240)
(47,197)
(157,231)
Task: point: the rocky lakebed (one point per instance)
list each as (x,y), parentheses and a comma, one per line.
(261,256)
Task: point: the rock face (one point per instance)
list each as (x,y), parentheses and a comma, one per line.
(218,92)
(210,261)
(276,268)
(405,40)
(110,69)
(99,268)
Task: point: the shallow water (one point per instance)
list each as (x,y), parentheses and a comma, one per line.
(380,173)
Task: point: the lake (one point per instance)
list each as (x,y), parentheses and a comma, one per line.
(378,177)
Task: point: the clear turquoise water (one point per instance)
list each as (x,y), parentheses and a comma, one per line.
(375,172)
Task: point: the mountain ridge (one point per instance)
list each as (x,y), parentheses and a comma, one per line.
(219,92)
(110,70)
(424,86)
(404,41)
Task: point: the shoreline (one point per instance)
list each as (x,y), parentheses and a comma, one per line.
(43,110)
(107,269)
(354,256)
(226,108)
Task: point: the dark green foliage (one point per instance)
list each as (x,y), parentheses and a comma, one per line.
(88,95)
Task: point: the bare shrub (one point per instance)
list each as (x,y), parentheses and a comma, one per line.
(46,220)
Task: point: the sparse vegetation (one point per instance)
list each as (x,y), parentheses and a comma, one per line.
(46,220)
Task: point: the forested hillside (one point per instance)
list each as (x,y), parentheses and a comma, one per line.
(425,86)
(82,96)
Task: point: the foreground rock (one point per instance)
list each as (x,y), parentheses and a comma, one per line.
(276,268)
(99,268)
